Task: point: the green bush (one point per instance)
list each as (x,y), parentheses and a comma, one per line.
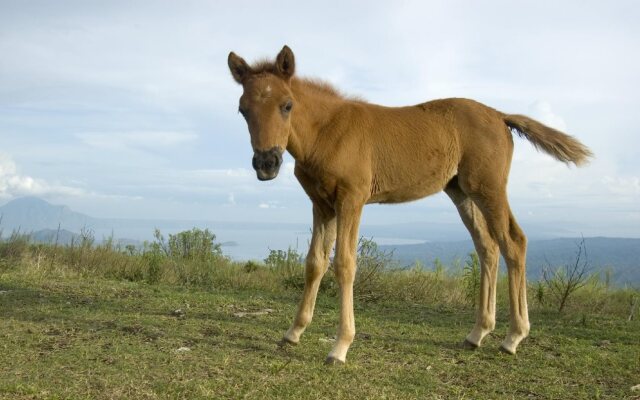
(195,244)
(288,265)
(371,263)
(154,267)
(15,246)
(250,266)
(471,278)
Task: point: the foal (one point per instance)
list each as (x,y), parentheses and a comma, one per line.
(350,153)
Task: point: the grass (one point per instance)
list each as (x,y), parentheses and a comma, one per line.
(95,322)
(95,338)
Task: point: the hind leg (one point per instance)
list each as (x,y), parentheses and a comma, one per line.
(513,246)
(488,252)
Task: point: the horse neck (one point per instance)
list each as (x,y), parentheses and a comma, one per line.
(315,109)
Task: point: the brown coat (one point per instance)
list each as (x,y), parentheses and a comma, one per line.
(349,153)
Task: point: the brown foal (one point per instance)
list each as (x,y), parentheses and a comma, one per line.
(350,153)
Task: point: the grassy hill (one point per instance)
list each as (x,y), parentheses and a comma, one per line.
(94,322)
(105,339)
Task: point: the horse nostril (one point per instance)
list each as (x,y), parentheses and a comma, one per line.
(269,160)
(268,164)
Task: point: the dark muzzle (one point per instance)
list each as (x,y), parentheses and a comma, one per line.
(267,163)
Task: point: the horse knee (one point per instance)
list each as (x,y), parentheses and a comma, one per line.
(345,267)
(489,255)
(315,267)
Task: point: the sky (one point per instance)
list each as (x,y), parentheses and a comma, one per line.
(126,109)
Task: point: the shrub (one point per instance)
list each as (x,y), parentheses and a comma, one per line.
(15,246)
(288,265)
(371,263)
(540,292)
(250,266)
(154,267)
(471,278)
(195,244)
(564,281)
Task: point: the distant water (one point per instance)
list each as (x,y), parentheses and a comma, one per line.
(246,241)
(243,244)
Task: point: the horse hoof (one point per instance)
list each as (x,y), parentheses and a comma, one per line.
(284,342)
(506,350)
(333,361)
(469,345)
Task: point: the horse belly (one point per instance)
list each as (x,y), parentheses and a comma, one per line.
(412,184)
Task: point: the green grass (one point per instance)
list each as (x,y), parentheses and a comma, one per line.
(73,337)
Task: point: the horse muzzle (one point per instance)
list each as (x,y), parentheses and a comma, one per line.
(267,163)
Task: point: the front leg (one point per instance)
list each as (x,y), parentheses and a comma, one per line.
(349,211)
(322,240)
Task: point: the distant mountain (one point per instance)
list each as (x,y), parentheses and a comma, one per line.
(29,214)
(61,237)
(620,255)
(241,240)
(48,223)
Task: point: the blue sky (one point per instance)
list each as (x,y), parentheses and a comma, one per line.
(127,109)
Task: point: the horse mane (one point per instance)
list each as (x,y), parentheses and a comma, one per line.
(321,86)
(325,88)
(267,66)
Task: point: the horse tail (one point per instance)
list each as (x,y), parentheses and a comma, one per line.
(553,142)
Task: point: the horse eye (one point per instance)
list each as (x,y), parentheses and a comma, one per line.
(287,106)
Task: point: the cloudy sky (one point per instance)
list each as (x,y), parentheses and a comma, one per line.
(127,109)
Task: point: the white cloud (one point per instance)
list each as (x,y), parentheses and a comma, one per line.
(14,184)
(271,204)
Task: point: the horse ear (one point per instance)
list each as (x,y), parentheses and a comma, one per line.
(285,63)
(238,66)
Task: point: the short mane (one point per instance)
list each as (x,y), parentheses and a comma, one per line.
(267,66)
(321,86)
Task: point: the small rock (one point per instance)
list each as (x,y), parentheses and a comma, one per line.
(4,291)
(183,349)
(429,367)
(327,340)
(635,388)
(254,313)
(178,313)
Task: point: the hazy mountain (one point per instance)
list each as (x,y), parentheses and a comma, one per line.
(620,255)
(241,240)
(29,214)
(60,237)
